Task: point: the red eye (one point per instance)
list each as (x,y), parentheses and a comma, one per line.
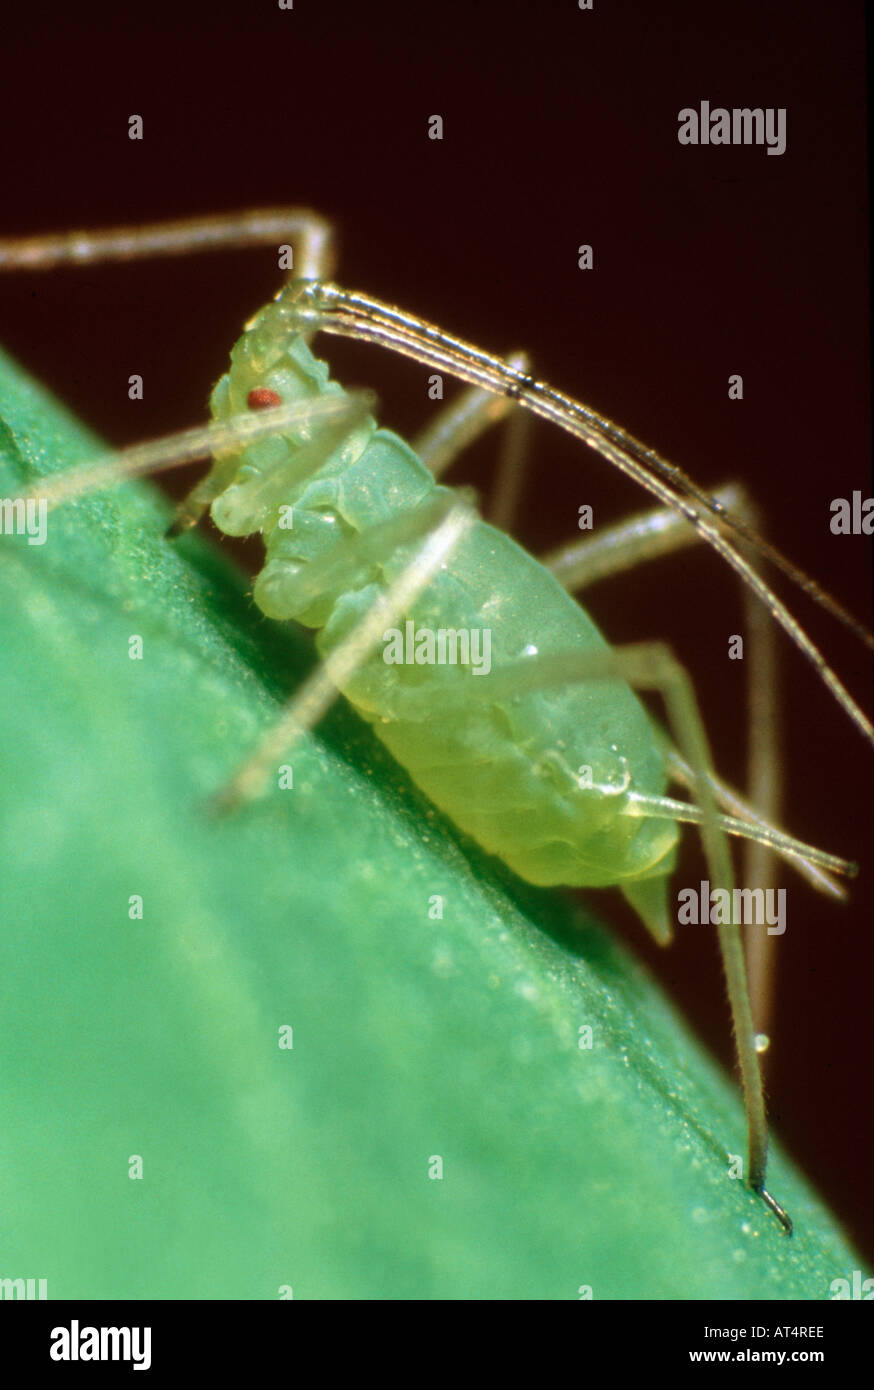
(261,398)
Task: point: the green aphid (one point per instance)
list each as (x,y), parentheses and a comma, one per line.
(474,665)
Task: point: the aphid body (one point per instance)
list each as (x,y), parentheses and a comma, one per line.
(507,770)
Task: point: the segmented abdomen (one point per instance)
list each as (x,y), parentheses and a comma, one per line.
(538,778)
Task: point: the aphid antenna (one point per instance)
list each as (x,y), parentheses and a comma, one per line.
(352,314)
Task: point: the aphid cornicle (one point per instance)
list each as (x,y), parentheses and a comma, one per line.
(550,761)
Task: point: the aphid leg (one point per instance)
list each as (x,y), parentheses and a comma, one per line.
(439,526)
(311,258)
(654,534)
(461,422)
(313,249)
(652,666)
(456,427)
(513,467)
(643,537)
(764,789)
(341,412)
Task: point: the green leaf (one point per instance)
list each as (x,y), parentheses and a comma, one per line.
(412,1038)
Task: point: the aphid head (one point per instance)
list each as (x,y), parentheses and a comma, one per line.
(272,365)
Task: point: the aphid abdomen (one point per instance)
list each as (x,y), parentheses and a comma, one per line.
(538,779)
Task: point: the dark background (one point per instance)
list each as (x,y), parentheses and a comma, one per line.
(560,128)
